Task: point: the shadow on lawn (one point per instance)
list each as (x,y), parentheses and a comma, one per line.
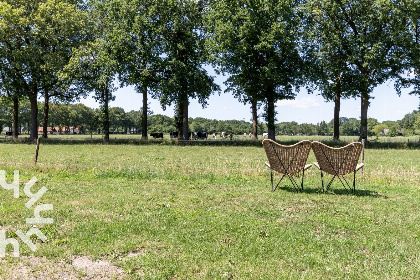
(341,191)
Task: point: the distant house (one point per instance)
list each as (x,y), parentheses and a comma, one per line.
(64,130)
(41,129)
(400,132)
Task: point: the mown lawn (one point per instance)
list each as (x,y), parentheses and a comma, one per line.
(207,212)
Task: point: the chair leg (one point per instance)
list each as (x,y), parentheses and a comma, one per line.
(354,181)
(294,184)
(344,182)
(303,175)
(330,183)
(322,180)
(272,186)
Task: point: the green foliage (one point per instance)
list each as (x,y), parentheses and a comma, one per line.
(327,36)
(378,129)
(184,77)
(362,44)
(267,48)
(257,44)
(350,127)
(36,41)
(161,123)
(322,128)
(393,131)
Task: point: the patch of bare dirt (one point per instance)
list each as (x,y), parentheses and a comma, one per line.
(77,267)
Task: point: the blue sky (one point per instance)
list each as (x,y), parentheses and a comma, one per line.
(306,108)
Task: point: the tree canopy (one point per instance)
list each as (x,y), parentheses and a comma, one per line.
(257,44)
(62,49)
(36,41)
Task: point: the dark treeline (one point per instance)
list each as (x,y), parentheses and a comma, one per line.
(80,119)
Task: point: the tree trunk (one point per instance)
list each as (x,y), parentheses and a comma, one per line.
(178,119)
(144,114)
(34,115)
(184,108)
(254,120)
(337,104)
(363,120)
(106,114)
(46,112)
(271,119)
(15,118)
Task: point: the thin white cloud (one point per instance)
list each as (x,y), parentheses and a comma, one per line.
(300,103)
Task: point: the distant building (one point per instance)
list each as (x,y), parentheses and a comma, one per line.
(64,130)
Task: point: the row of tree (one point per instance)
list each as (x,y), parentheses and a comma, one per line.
(65,49)
(82,119)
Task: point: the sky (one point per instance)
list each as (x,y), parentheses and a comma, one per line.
(306,108)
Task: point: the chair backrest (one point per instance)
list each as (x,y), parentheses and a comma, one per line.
(287,159)
(339,161)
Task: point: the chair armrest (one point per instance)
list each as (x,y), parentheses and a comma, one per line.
(317,165)
(266,163)
(307,166)
(360,165)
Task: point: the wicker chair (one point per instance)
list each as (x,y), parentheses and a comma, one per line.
(338,162)
(287,160)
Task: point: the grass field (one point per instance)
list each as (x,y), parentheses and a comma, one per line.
(207,212)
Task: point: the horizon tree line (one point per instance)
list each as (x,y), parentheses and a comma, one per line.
(81,119)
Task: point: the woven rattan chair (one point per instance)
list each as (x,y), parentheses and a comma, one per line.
(287,160)
(338,162)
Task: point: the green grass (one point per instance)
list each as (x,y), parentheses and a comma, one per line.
(207,212)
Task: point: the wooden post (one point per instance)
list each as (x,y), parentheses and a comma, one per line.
(363,153)
(37,149)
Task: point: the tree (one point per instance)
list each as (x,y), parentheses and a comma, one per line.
(81,116)
(116,118)
(160,123)
(11,92)
(37,37)
(371,123)
(184,55)
(307,129)
(322,128)
(12,82)
(139,40)
(411,78)
(8,112)
(59,115)
(371,34)
(394,130)
(93,66)
(135,121)
(351,127)
(257,44)
(331,71)
(378,129)
(62,28)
